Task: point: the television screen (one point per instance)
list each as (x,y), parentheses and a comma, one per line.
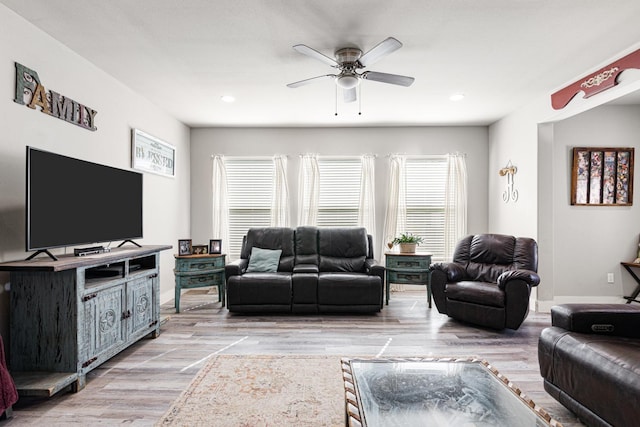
(73,202)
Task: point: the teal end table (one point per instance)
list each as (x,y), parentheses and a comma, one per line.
(199,271)
(408,269)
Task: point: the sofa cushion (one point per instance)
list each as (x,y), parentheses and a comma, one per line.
(264,260)
(271,238)
(259,288)
(342,249)
(349,289)
(476,292)
(307,245)
(486,256)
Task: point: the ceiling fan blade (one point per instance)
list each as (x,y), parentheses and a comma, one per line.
(394,79)
(379,51)
(311,80)
(350,95)
(306,50)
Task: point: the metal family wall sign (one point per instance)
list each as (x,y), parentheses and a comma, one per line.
(150,154)
(602,176)
(31,92)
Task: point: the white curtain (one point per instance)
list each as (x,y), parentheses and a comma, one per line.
(455,203)
(396,216)
(309,190)
(367,205)
(220,204)
(280,197)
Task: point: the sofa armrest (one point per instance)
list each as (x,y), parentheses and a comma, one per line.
(236,268)
(454,272)
(622,320)
(530,277)
(373,268)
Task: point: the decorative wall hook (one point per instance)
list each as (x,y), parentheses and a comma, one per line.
(510,193)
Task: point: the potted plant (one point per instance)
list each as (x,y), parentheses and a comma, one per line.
(407,242)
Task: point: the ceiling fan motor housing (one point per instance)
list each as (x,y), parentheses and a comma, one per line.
(348,56)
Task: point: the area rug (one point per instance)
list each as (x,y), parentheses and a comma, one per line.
(262,391)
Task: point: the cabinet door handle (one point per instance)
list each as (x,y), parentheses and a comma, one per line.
(89,297)
(89,362)
(126,314)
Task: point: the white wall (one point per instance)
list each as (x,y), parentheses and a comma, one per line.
(337,141)
(571,265)
(166,200)
(590,242)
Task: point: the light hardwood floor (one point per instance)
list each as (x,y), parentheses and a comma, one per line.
(137,386)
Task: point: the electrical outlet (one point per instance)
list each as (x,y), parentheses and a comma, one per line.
(609,277)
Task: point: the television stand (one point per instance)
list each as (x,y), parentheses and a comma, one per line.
(130,241)
(69,316)
(41,251)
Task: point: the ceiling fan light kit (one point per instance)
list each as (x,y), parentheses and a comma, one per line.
(347,81)
(349,60)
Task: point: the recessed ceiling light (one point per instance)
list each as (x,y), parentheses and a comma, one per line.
(227,98)
(457,97)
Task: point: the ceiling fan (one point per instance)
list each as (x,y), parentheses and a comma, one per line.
(348,60)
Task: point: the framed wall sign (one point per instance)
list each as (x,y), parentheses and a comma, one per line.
(602,176)
(150,154)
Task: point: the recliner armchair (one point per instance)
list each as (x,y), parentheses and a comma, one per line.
(489,281)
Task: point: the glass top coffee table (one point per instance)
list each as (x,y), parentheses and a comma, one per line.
(435,392)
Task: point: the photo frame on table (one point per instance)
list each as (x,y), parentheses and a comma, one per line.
(151,154)
(199,250)
(184,247)
(602,176)
(215,246)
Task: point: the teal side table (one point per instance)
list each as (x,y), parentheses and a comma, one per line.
(199,271)
(408,269)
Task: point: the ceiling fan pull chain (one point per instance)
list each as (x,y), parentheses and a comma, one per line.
(359,100)
(336,99)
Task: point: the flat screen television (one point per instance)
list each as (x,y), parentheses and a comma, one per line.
(75,202)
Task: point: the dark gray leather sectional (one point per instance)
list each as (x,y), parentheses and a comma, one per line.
(590,361)
(321,270)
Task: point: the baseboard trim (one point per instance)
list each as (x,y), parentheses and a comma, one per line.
(545,306)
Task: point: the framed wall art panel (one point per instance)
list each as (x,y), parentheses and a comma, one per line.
(602,176)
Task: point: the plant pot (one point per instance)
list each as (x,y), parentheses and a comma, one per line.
(408,248)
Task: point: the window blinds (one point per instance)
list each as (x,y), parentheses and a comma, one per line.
(250,189)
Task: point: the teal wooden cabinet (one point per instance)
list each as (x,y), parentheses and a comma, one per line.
(199,271)
(70,315)
(408,269)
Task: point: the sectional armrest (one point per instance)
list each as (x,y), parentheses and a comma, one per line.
(454,272)
(531,277)
(622,320)
(236,268)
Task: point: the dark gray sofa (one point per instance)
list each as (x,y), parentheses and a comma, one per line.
(590,362)
(320,270)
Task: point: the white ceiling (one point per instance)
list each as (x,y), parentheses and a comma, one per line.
(183,55)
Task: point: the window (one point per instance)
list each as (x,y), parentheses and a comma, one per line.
(339,195)
(249,189)
(426,183)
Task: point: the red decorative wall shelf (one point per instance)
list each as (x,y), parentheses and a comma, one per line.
(597,82)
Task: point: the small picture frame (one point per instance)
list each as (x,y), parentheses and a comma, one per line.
(215,246)
(199,250)
(184,247)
